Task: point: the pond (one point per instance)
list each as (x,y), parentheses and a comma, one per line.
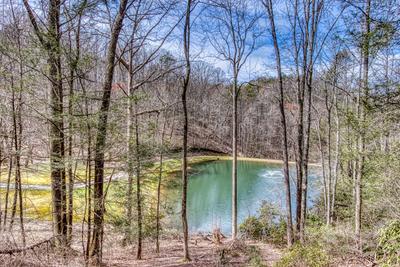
(209,192)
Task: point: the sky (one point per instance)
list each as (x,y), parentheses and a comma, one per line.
(259,63)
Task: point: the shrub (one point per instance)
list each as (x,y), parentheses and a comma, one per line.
(267,225)
(277,233)
(254,257)
(388,251)
(253,228)
(304,256)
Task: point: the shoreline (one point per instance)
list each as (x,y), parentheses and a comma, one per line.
(225,157)
(192,160)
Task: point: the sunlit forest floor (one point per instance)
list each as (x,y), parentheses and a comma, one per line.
(205,251)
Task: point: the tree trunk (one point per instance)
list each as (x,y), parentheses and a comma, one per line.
(17,132)
(18,141)
(285,147)
(131,150)
(10,167)
(87,215)
(1,164)
(97,234)
(186,38)
(308,68)
(138,192)
(362,116)
(57,125)
(69,165)
(336,162)
(324,178)
(88,194)
(234,157)
(159,189)
(71,179)
(50,40)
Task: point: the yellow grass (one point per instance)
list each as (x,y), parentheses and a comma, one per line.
(263,160)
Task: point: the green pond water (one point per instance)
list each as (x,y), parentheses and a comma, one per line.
(209,192)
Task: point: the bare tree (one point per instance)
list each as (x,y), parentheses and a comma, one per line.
(185,86)
(232,32)
(160,175)
(304,21)
(362,106)
(285,147)
(74,57)
(147,19)
(97,234)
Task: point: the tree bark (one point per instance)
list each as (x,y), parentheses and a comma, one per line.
(336,169)
(57,124)
(1,164)
(159,189)
(138,192)
(97,233)
(17,131)
(362,117)
(88,180)
(311,43)
(50,41)
(186,80)
(285,147)
(73,70)
(10,167)
(234,155)
(131,150)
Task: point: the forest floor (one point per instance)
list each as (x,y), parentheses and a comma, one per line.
(203,249)
(203,253)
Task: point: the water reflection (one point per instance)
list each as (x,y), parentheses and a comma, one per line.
(209,192)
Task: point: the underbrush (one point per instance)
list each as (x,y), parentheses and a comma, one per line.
(337,240)
(237,249)
(388,251)
(268,225)
(312,255)
(254,257)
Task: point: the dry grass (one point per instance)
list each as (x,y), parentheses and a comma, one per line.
(203,251)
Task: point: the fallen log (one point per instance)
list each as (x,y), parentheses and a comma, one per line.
(31,247)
